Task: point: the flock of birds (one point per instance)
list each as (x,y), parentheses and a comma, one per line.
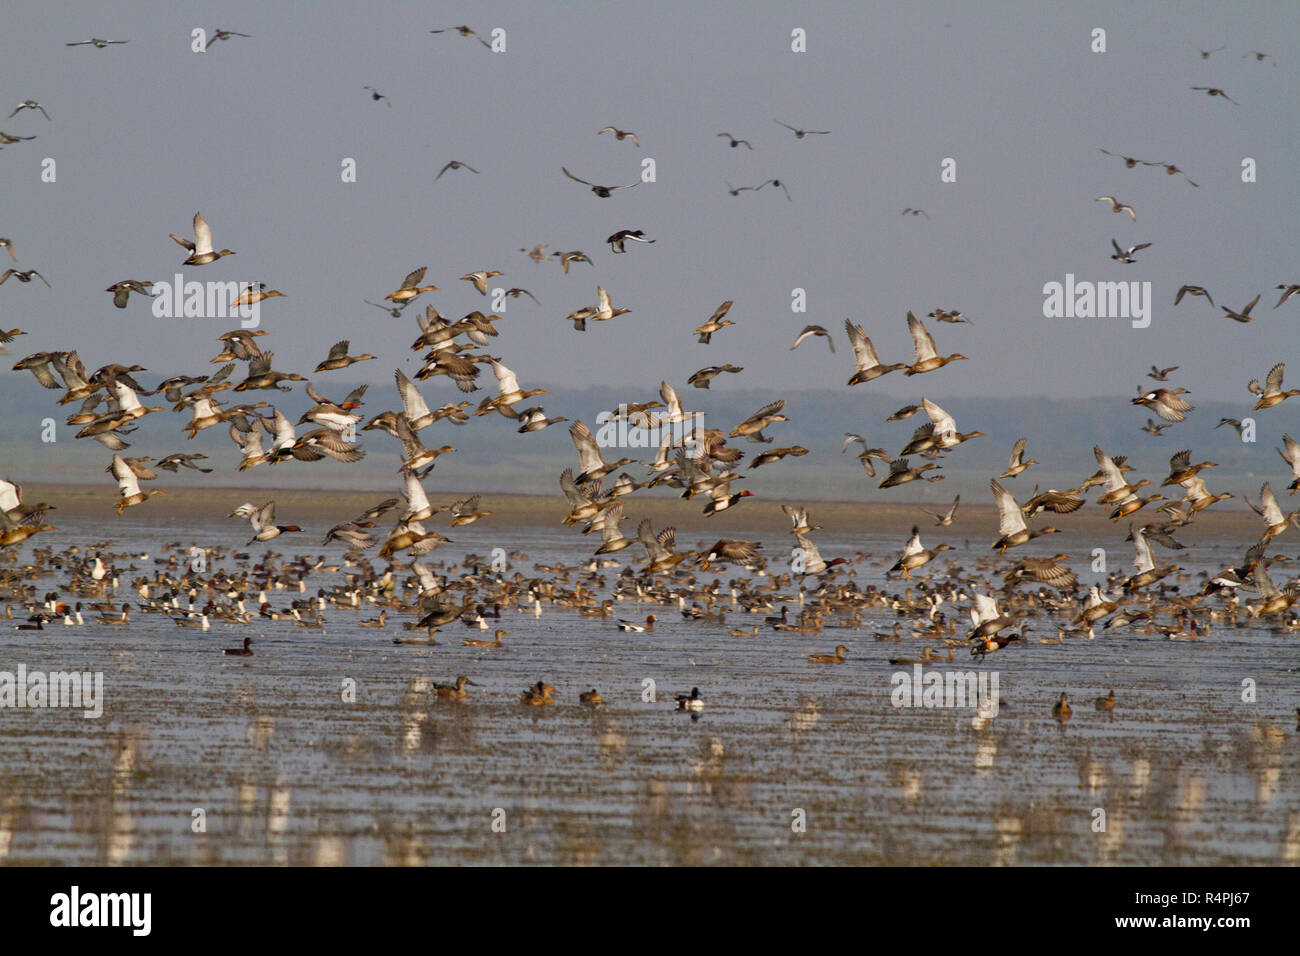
(699,463)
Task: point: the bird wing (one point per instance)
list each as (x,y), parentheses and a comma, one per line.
(412,400)
(944,424)
(588,450)
(202,235)
(573,177)
(1010,518)
(864,353)
(922,341)
(127,482)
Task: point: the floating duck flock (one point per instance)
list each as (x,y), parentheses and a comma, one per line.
(1003,598)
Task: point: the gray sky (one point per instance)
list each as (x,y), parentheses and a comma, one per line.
(252,133)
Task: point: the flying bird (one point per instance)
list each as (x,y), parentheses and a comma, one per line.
(801,133)
(1215,91)
(465,32)
(1117,206)
(737,142)
(455,164)
(1192,290)
(620,134)
(1126,255)
(810,331)
(29,105)
(604,192)
(626,235)
(223,35)
(1242,316)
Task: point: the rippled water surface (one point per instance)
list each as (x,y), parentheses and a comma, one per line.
(285,771)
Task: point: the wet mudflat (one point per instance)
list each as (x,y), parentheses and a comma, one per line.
(285,771)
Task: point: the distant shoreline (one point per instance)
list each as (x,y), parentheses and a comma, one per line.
(974,519)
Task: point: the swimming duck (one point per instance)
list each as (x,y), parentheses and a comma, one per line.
(201,249)
(591,698)
(1061,709)
(1107,702)
(454,691)
(692,701)
(928,656)
(495,642)
(645,628)
(540,694)
(835,658)
(245,651)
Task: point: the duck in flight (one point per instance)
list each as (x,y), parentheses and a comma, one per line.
(453,165)
(1117,206)
(1126,255)
(626,235)
(810,331)
(801,133)
(96,42)
(1193,290)
(377,96)
(29,105)
(201,249)
(737,142)
(620,134)
(1215,91)
(604,192)
(465,32)
(219,34)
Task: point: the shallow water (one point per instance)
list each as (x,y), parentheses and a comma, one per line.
(287,772)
